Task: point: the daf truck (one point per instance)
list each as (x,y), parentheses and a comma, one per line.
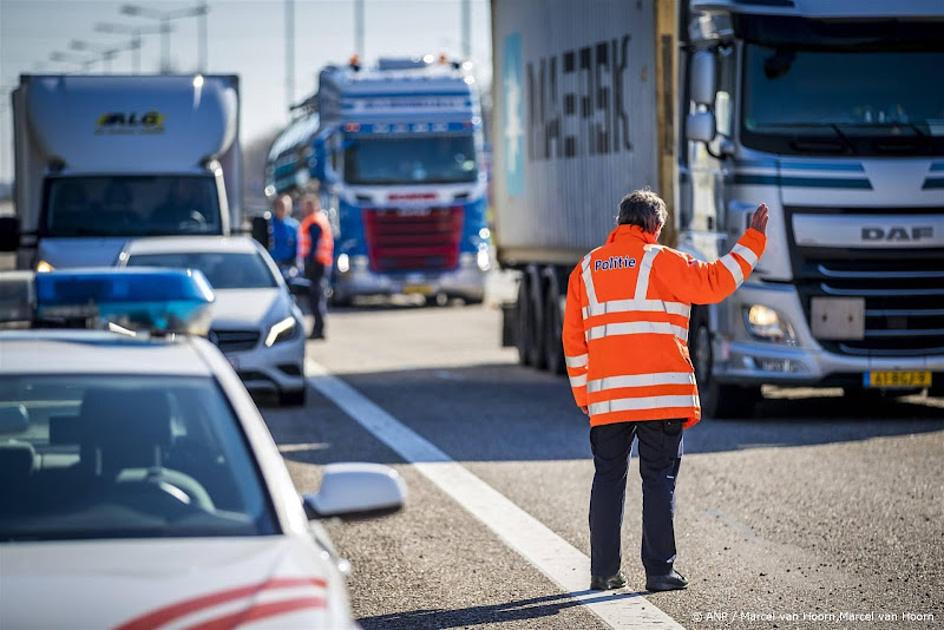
(396,153)
(831,113)
(101,159)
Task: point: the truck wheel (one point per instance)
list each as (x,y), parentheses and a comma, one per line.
(537,358)
(292,398)
(553,325)
(522,317)
(717,400)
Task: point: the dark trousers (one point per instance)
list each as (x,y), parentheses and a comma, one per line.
(660,453)
(317,295)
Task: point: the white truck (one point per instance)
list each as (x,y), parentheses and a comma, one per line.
(829,112)
(101,159)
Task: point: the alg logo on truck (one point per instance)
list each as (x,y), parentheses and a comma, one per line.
(126,123)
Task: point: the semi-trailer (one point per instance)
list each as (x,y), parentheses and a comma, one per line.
(822,110)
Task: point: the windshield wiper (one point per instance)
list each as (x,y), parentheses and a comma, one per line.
(885,125)
(827,145)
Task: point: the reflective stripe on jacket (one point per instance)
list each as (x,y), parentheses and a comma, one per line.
(324,253)
(626,324)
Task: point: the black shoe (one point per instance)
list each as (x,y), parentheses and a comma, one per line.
(607,584)
(671,582)
(315,335)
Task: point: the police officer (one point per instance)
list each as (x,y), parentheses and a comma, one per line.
(284,246)
(625,345)
(316,253)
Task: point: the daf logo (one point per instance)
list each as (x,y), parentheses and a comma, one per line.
(897,233)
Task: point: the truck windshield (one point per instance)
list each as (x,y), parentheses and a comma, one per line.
(222,270)
(131,206)
(119,456)
(413,160)
(843,94)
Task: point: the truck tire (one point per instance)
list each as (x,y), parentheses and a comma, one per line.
(717,400)
(522,316)
(553,326)
(292,398)
(537,359)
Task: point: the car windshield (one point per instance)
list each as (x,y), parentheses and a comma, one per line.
(222,270)
(415,160)
(94,457)
(879,93)
(131,206)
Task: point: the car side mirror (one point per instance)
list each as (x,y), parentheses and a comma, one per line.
(260,229)
(9,234)
(357,491)
(700,127)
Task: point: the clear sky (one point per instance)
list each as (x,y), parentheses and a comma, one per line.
(245,37)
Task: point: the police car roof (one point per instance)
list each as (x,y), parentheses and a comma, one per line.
(98,352)
(191,244)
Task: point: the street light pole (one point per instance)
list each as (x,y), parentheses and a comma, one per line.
(136,40)
(359,29)
(107,52)
(165,45)
(164,18)
(204,46)
(289,54)
(466,29)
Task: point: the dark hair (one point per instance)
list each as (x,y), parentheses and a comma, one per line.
(643,208)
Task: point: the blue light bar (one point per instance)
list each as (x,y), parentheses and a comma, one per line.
(140,299)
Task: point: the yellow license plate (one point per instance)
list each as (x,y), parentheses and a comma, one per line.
(891,379)
(417,289)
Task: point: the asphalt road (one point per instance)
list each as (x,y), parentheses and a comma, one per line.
(820,508)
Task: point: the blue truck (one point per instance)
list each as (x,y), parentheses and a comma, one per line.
(395,152)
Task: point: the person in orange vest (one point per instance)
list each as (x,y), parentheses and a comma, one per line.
(626,349)
(316,257)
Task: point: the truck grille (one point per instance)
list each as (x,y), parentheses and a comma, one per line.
(234,340)
(399,240)
(903,291)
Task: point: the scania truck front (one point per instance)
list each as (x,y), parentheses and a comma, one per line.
(101,159)
(831,113)
(398,154)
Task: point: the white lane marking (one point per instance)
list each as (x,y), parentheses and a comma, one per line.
(560,561)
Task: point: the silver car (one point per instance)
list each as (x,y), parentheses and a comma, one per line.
(256,323)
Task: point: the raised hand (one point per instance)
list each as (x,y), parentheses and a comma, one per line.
(759,219)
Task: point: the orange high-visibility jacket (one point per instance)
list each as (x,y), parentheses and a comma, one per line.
(626,324)
(324,253)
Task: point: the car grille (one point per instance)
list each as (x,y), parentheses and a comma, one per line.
(399,240)
(234,340)
(903,291)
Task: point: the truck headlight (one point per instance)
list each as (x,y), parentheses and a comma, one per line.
(344,263)
(483,260)
(766,324)
(281,331)
(42,267)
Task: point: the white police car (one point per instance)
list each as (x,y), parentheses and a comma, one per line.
(256,323)
(140,487)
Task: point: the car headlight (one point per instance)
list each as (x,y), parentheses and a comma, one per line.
(42,267)
(766,324)
(281,331)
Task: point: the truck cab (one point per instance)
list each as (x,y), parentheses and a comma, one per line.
(398,156)
(101,159)
(825,112)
